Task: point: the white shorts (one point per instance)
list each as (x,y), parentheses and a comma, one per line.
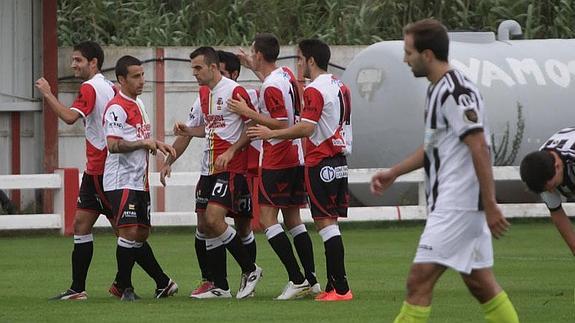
(457,239)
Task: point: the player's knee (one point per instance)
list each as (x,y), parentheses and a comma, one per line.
(82,225)
(243,228)
(292,221)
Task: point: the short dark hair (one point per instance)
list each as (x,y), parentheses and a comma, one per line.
(231,60)
(123,63)
(429,34)
(318,50)
(209,53)
(91,50)
(268,45)
(536,169)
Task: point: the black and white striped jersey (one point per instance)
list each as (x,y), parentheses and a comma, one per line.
(562,142)
(454,108)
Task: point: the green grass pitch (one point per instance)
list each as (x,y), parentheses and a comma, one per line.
(531,263)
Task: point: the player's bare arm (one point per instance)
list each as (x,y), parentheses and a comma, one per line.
(180,145)
(165,148)
(565,228)
(67,115)
(383,179)
(481,157)
(301,129)
(117,145)
(240,107)
(181,129)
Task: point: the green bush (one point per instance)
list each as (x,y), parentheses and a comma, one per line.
(338,22)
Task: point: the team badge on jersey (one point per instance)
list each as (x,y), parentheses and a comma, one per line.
(470,116)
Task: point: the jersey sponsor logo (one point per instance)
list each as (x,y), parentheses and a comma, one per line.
(328,173)
(338,142)
(143,131)
(129,214)
(215,121)
(220,188)
(114,116)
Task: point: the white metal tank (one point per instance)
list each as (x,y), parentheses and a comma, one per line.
(528,87)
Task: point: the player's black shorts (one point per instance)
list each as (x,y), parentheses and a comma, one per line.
(326,185)
(282,188)
(130,207)
(91,197)
(233,195)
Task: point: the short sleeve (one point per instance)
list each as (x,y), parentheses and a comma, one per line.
(552,200)
(85,101)
(312,105)
(275,103)
(115,121)
(463,115)
(195,116)
(244,94)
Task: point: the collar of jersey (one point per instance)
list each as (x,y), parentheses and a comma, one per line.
(127,97)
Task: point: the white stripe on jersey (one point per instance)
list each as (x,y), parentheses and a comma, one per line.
(454,108)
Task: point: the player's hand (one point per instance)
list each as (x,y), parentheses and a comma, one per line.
(166,171)
(180,129)
(166,149)
(496,221)
(150,144)
(381,181)
(259,132)
(238,106)
(223,160)
(245,59)
(43,86)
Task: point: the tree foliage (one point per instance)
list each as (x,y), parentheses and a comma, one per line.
(338,22)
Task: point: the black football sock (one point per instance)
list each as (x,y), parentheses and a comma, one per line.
(146,259)
(216,259)
(234,245)
(81,259)
(125,257)
(282,247)
(200,246)
(249,243)
(304,248)
(335,255)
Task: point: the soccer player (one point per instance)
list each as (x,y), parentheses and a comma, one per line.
(229,67)
(282,184)
(550,172)
(459,183)
(326,125)
(128,135)
(225,189)
(95,92)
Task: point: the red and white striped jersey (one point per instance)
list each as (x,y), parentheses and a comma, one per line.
(223,127)
(196,119)
(281,100)
(327,104)
(90,103)
(127,119)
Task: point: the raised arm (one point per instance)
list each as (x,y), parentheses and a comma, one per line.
(66,114)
